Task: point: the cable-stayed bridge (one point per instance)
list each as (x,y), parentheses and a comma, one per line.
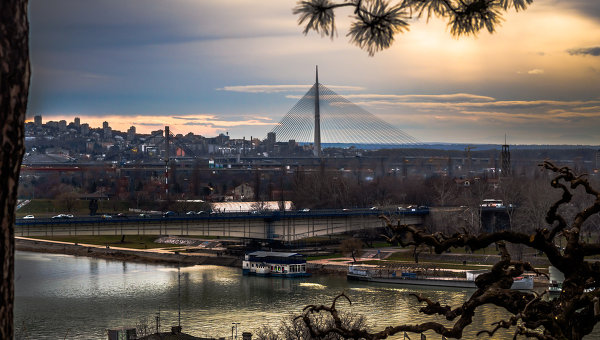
(323,116)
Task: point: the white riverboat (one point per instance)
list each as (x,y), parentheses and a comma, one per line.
(271,263)
(409,278)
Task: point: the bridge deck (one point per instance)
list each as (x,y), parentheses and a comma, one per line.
(272,226)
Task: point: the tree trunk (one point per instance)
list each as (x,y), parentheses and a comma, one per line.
(14,89)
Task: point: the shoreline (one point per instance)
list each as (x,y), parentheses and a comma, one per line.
(151,256)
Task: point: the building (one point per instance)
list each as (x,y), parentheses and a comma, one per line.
(77,122)
(271,139)
(85,129)
(107,130)
(271,263)
(131,133)
(62,126)
(243,191)
(37,120)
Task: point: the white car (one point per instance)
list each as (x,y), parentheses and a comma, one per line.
(28,217)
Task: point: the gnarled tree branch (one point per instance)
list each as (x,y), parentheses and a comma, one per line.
(572,315)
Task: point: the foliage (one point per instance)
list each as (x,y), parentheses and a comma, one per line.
(572,315)
(376,22)
(294,328)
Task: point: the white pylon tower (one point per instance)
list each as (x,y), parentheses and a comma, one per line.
(317,144)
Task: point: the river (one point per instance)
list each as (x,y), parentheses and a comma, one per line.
(63,296)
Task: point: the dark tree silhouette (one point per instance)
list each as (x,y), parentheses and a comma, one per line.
(377,21)
(572,315)
(14,88)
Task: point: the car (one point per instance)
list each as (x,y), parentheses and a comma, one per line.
(304,210)
(190,213)
(373,208)
(346,210)
(62,216)
(121,215)
(202,212)
(168,214)
(144,215)
(106,217)
(28,217)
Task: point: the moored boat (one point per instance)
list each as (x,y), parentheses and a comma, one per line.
(271,263)
(409,278)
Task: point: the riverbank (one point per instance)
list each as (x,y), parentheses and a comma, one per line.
(189,256)
(159,255)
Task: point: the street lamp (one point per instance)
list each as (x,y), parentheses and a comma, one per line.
(235,326)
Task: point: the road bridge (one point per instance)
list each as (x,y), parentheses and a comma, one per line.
(279,226)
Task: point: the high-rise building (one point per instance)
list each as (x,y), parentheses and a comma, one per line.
(85,129)
(37,120)
(598,159)
(77,122)
(131,133)
(271,139)
(62,126)
(107,130)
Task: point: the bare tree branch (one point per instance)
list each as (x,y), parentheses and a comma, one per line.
(572,315)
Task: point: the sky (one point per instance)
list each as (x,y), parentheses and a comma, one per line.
(238,66)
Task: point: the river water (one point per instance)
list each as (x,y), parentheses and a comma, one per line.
(63,296)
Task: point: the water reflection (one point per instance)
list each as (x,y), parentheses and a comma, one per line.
(81,297)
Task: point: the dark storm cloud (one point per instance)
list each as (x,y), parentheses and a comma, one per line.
(80,24)
(593,51)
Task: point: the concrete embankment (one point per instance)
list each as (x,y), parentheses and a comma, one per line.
(124,254)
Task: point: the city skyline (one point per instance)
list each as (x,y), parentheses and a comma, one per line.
(536,79)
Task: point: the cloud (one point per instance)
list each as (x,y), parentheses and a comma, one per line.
(535,71)
(206,117)
(283,88)
(454,97)
(593,51)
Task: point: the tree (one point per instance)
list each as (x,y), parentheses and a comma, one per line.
(570,316)
(67,199)
(14,89)
(377,21)
(352,246)
(292,328)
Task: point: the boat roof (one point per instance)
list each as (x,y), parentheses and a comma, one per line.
(272,254)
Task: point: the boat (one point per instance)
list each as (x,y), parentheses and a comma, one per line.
(271,263)
(410,278)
